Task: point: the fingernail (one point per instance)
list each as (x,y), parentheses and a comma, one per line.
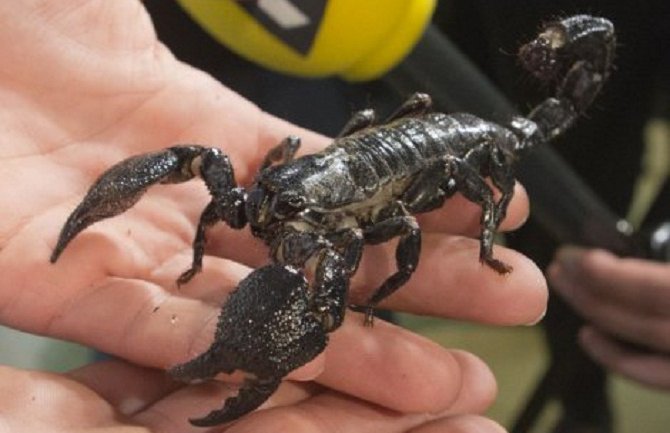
(131,405)
(538,320)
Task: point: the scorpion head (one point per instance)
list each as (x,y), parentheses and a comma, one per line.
(280,193)
(266,206)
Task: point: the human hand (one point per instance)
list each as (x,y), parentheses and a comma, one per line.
(89,85)
(118,397)
(622,299)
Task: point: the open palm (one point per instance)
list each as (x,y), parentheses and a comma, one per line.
(85,85)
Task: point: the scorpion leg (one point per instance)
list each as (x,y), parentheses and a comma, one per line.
(424,194)
(283,152)
(416,104)
(473,187)
(331,289)
(337,258)
(502,175)
(208,217)
(407,256)
(350,243)
(360,120)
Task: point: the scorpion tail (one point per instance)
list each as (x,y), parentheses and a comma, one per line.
(576,55)
(252,394)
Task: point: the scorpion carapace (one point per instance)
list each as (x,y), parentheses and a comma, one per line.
(365,188)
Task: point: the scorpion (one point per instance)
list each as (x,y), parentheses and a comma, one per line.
(318,211)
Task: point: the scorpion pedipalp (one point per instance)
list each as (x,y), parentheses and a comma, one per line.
(268,326)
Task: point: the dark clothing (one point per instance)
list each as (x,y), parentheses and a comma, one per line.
(604,148)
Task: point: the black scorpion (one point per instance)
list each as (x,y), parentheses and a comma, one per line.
(365,187)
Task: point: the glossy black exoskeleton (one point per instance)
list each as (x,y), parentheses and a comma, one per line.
(365,187)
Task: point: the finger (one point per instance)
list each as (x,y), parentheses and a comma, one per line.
(478,388)
(130,388)
(138,321)
(329,412)
(612,317)
(450,281)
(649,368)
(637,284)
(460,424)
(246,133)
(397,369)
(218,278)
(171,414)
(137,318)
(44,401)
(333,411)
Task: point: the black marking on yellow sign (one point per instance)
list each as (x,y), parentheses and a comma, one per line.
(295,22)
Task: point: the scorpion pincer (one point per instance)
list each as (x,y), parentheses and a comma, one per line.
(364,188)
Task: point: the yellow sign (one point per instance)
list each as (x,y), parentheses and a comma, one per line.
(357,40)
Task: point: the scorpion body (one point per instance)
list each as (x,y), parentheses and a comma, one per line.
(318,211)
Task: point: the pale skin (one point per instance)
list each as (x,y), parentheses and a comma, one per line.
(622,299)
(85,85)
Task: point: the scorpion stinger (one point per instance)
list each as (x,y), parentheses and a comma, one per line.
(316,212)
(575,54)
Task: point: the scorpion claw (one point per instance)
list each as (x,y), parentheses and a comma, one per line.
(251,395)
(121,186)
(105,199)
(267,328)
(75,224)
